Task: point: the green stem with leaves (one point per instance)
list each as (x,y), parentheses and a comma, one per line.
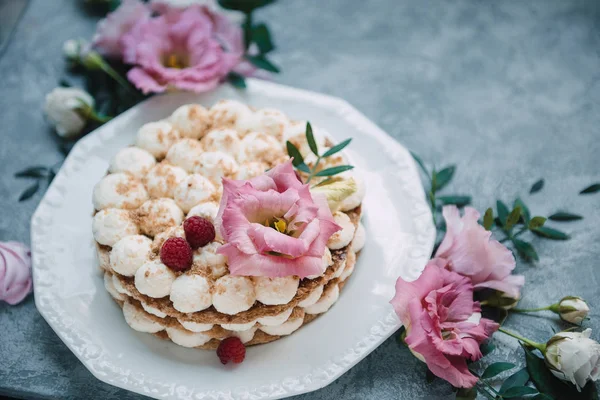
(540,346)
(313,170)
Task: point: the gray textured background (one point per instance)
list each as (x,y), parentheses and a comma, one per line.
(509,91)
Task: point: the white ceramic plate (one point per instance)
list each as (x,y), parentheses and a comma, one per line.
(69,290)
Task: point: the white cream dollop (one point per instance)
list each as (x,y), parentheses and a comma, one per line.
(193,190)
(224,140)
(195,326)
(159,214)
(191,293)
(276,319)
(208,256)
(227,112)
(111,225)
(245,336)
(215,164)
(206,210)
(354,200)
(154,279)
(129,253)
(119,287)
(187,339)
(325,302)
(360,238)
(349,267)
(119,190)
(138,320)
(162,180)
(251,169)
(270,121)
(157,138)
(191,120)
(153,310)
(132,160)
(284,329)
(312,298)
(258,146)
(327,261)
(110,287)
(279,290)
(343,237)
(233,294)
(185,153)
(239,327)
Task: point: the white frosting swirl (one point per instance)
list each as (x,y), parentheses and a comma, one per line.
(312,298)
(360,238)
(132,160)
(233,294)
(187,339)
(191,293)
(349,268)
(206,210)
(215,164)
(159,214)
(258,146)
(195,326)
(239,327)
(119,287)
(153,310)
(284,329)
(111,225)
(193,190)
(207,256)
(154,279)
(227,112)
(275,290)
(276,319)
(354,200)
(129,253)
(343,237)
(119,190)
(325,302)
(185,153)
(249,170)
(223,140)
(110,287)
(157,138)
(138,320)
(162,180)
(245,336)
(191,120)
(270,121)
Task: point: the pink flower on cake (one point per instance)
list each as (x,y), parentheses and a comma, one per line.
(443,324)
(15,272)
(470,252)
(111,29)
(189,49)
(273,226)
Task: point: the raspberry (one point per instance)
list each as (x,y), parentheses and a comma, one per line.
(176,254)
(198,231)
(232,349)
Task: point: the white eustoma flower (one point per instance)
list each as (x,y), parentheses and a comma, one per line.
(574,357)
(65,109)
(573,309)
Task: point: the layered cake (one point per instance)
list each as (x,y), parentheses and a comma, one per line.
(206,229)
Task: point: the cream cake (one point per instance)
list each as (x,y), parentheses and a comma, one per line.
(195,166)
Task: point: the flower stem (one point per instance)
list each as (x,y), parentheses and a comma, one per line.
(526,310)
(313,170)
(99,118)
(540,346)
(117,77)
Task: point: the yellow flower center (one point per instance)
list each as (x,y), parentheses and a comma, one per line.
(174,61)
(279,224)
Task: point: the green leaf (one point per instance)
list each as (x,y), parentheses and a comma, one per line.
(294,153)
(260,61)
(519,378)
(38,171)
(459,201)
(488,219)
(338,147)
(466,394)
(591,189)
(245,6)
(525,215)
(334,170)
(502,211)
(236,80)
(542,396)
(310,138)
(487,347)
(444,177)
(262,37)
(30,191)
(536,222)
(565,216)
(518,391)
(550,233)
(496,368)
(536,187)
(513,217)
(526,250)
(420,162)
(429,376)
(303,167)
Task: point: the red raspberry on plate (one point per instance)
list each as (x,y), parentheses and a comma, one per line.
(231,349)
(198,231)
(176,254)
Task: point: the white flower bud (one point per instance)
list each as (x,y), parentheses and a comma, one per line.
(65,109)
(574,357)
(71,49)
(572,309)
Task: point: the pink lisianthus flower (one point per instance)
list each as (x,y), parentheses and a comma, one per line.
(470,252)
(187,49)
(443,323)
(273,226)
(110,30)
(15,272)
